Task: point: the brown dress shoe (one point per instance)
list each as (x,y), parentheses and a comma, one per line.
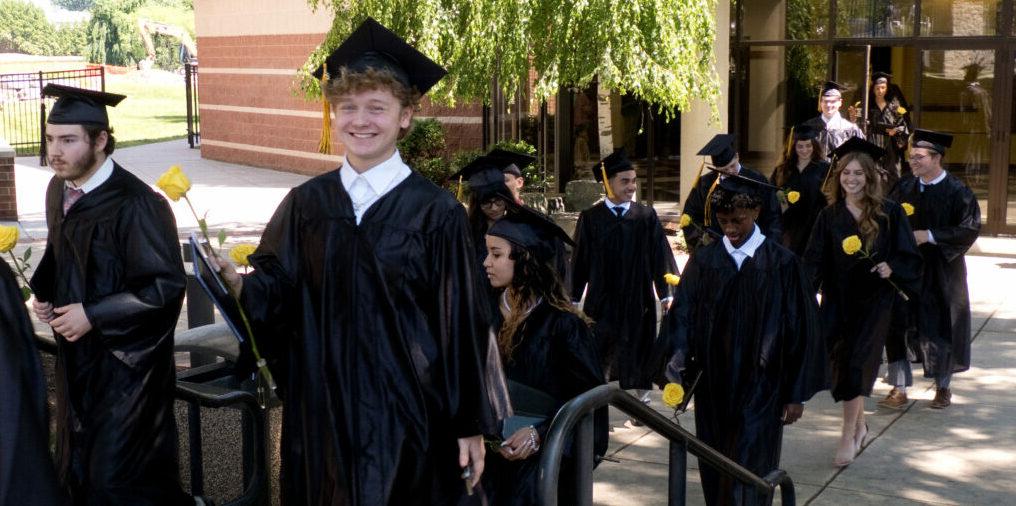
(943,398)
(897,399)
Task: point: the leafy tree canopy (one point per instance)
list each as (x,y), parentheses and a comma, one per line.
(658,50)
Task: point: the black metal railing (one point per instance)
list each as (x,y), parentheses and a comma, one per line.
(578,412)
(23,108)
(190,76)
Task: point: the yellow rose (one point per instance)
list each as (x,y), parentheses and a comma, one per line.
(174,183)
(900,110)
(239,253)
(852,245)
(673,394)
(908,208)
(8,238)
(672,279)
(793,197)
(685,220)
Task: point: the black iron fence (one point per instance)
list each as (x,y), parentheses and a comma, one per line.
(576,417)
(23,108)
(190,75)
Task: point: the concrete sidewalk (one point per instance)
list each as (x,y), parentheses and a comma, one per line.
(962,455)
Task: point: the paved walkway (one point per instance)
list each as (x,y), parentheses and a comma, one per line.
(963,455)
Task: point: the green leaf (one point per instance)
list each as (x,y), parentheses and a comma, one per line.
(27,255)
(26,293)
(221,237)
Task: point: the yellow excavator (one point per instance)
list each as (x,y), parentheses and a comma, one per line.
(147,27)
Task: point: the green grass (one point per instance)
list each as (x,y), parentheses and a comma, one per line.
(152,112)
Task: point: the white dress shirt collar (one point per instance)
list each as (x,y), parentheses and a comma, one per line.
(381,178)
(100,176)
(936,180)
(747,249)
(612,206)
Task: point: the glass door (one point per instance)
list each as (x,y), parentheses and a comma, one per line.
(852,69)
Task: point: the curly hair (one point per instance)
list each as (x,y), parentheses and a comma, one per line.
(787,170)
(531,281)
(871,196)
(725,201)
(350,82)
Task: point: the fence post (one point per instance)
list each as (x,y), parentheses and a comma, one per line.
(584,461)
(678,478)
(42,124)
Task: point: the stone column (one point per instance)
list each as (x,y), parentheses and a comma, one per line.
(8,196)
(696,129)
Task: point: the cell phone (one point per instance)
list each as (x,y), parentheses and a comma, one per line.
(467,476)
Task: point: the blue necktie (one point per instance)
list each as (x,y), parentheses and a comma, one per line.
(619,210)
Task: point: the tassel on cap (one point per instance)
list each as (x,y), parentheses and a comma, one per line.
(606,184)
(709,194)
(458,194)
(325,144)
(790,144)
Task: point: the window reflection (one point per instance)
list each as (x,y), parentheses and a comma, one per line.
(959,17)
(875,18)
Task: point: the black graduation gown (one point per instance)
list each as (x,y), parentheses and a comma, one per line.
(556,354)
(754,335)
(942,308)
(376,338)
(117,252)
(622,260)
(27,477)
(857,305)
(695,205)
(831,138)
(800,216)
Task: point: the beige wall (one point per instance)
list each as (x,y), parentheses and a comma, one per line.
(696,127)
(223,18)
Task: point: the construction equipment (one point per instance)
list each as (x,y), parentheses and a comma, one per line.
(147,27)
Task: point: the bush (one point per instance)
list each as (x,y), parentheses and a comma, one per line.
(74,5)
(422,149)
(23,28)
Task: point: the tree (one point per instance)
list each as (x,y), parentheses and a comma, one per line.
(112,35)
(660,51)
(23,28)
(74,5)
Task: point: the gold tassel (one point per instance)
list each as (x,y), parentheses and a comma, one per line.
(701,166)
(606,184)
(458,194)
(790,144)
(707,219)
(325,144)
(825,180)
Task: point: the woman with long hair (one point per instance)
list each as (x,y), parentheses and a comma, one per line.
(800,178)
(888,125)
(547,349)
(861,253)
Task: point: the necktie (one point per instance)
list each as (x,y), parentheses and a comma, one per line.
(71,195)
(619,210)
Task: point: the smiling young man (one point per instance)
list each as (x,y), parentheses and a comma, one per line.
(745,318)
(364,300)
(946,220)
(833,128)
(703,228)
(110,284)
(622,255)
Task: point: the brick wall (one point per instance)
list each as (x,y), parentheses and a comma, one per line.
(8,199)
(250,113)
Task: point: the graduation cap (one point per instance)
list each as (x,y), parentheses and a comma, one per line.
(513,162)
(485,174)
(936,141)
(804,132)
(879,77)
(77,106)
(720,148)
(833,89)
(372,46)
(615,162)
(858,144)
(746,186)
(531,230)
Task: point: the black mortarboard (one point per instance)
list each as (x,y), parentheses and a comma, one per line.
(374,46)
(745,185)
(832,89)
(858,144)
(804,132)
(877,76)
(937,141)
(77,106)
(720,148)
(531,230)
(512,162)
(615,162)
(485,174)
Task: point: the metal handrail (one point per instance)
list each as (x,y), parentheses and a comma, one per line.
(578,412)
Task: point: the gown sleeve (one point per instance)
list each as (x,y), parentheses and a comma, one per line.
(964,225)
(770,219)
(154,278)
(804,350)
(694,207)
(816,255)
(673,345)
(905,260)
(580,258)
(663,258)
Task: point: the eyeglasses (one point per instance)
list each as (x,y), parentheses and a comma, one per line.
(492,203)
(917,158)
